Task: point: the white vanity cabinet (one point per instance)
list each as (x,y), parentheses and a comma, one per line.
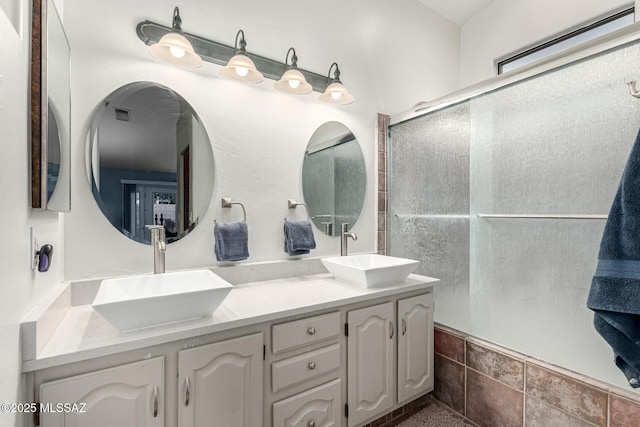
(125,396)
(415,347)
(298,399)
(294,352)
(318,407)
(370,362)
(374,340)
(221,383)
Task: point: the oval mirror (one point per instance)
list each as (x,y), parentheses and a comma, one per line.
(149,161)
(333,178)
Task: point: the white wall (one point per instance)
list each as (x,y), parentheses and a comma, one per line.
(20,288)
(505,26)
(258,135)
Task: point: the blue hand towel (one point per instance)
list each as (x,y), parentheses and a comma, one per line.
(298,237)
(615,288)
(232,241)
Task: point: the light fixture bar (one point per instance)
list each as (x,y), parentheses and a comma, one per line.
(218,53)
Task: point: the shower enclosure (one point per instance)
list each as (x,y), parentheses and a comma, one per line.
(503,195)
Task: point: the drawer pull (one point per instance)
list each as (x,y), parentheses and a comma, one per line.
(312,423)
(155,402)
(187,392)
(390,330)
(311,366)
(311,330)
(404,326)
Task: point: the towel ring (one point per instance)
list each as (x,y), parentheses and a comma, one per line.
(292,204)
(227,202)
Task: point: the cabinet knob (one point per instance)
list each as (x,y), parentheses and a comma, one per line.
(312,423)
(311,330)
(311,366)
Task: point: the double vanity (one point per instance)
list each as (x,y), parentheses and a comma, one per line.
(289,345)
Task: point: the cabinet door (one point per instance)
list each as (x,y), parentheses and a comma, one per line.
(124,396)
(318,407)
(415,346)
(220,384)
(370,364)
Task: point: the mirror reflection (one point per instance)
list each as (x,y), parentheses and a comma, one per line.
(53,153)
(333,178)
(150,161)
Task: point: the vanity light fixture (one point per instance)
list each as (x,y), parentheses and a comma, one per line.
(236,64)
(173,48)
(292,81)
(241,67)
(336,93)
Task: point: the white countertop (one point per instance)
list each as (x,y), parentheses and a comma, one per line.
(83,334)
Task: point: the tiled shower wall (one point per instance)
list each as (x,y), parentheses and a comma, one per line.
(383,135)
(493,386)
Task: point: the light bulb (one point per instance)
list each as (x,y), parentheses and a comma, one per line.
(176,51)
(294,84)
(242,71)
(336,95)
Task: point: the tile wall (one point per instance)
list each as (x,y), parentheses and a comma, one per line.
(493,386)
(383,135)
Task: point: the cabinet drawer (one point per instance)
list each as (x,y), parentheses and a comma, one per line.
(298,333)
(312,364)
(319,406)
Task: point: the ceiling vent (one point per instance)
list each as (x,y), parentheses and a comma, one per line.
(123,115)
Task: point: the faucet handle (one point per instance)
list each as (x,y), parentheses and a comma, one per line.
(345,227)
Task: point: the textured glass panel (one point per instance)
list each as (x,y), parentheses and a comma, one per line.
(441,244)
(529,285)
(553,144)
(556,143)
(430,164)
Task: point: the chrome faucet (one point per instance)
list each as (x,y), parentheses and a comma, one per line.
(159,243)
(343,238)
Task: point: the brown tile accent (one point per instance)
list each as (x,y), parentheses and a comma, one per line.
(449,383)
(449,345)
(491,403)
(540,414)
(382,181)
(382,221)
(497,365)
(382,201)
(624,412)
(572,396)
(382,162)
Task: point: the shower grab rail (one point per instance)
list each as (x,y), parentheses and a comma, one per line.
(506,216)
(543,216)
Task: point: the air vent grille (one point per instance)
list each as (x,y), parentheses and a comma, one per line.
(123,115)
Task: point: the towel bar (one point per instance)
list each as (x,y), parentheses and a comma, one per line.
(227,202)
(292,204)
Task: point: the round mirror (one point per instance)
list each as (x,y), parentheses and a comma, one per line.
(333,178)
(150,161)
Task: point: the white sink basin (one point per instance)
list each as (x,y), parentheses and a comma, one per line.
(136,302)
(370,270)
